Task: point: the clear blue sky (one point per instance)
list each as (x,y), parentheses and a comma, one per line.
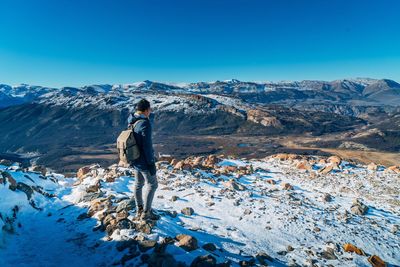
(76,42)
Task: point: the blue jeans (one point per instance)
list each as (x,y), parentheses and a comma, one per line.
(141,178)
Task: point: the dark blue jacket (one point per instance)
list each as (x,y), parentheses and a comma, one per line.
(142,132)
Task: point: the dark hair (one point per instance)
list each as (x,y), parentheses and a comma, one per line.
(142,105)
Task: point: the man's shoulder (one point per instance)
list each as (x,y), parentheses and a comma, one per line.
(141,123)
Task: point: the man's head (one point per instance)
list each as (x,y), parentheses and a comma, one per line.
(143,107)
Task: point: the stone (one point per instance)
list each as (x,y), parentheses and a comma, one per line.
(93,188)
(6,162)
(303,165)
(287,186)
(289,248)
(262,257)
(26,189)
(125,205)
(376,261)
(328,254)
(174,198)
(145,226)
(10,180)
(122,245)
(372,166)
(326,197)
(145,245)
(82,172)
(40,169)
(270,181)
(326,169)
(393,169)
(187,242)
(250,262)
(233,185)
(335,160)
(209,247)
(204,261)
(358,207)
(351,248)
(188,211)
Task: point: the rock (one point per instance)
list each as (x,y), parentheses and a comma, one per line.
(145,245)
(26,189)
(209,247)
(145,226)
(122,245)
(326,169)
(351,248)
(335,160)
(289,248)
(188,211)
(204,261)
(244,263)
(395,229)
(358,207)
(121,215)
(6,162)
(262,257)
(328,254)
(81,174)
(181,165)
(40,169)
(93,188)
(83,216)
(326,197)
(126,205)
(125,224)
(247,212)
(174,198)
(376,261)
(287,186)
(10,180)
(161,260)
(393,169)
(372,166)
(303,165)
(233,185)
(187,242)
(270,181)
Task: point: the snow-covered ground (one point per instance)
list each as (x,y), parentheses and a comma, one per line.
(288,209)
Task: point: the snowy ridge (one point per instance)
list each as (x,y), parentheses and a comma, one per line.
(285,210)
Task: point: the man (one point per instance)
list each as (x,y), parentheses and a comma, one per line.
(145,167)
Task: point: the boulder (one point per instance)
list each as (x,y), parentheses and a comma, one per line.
(187,242)
(335,160)
(326,169)
(376,261)
(351,248)
(40,169)
(303,165)
(82,172)
(233,185)
(209,247)
(393,169)
(204,261)
(188,211)
(6,162)
(372,166)
(358,207)
(287,186)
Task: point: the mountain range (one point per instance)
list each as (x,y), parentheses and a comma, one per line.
(70,126)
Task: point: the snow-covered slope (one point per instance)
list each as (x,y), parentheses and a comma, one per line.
(283,210)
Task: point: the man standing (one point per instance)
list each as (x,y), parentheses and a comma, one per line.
(145,167)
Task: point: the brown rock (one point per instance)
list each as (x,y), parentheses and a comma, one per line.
(326,169)
(187,242)
(376,261)
(393,169)
(334,160)
(303,165)
(358,207)
(39,168)
(287,186)
(188,211)
(82,172)
(372,166)
(203,261)
(233,185)
(351,248)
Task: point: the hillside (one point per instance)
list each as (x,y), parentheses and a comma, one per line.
(283,210)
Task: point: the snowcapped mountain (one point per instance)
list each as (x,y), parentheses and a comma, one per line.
(283,210)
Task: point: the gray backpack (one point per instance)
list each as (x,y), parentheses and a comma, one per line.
(128,150)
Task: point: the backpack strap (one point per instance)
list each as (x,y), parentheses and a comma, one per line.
(132,126)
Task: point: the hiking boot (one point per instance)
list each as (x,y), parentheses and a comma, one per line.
(149,215)
(139,213)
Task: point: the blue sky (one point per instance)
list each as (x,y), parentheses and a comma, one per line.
(76,42)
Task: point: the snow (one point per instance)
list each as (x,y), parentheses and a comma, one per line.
(277,218)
